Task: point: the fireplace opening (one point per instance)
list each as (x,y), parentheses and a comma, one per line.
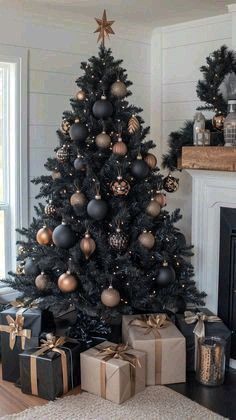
(227,272)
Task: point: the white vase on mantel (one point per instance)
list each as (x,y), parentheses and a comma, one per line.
(198,129)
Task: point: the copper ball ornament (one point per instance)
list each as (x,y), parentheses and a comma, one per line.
(218,122)
(103,140)
(87,245)
(42,281)
(119,148)
(110,297)
(153,209)
(50,209)
(67,283)
(63,154)
(119,89)
(147,239)
(80,95)
(170,183)
(160,198)
(78,199)
(151,160)
(118,240)
(44,236)
(120,187)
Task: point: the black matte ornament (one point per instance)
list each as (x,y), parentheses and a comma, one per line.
(102,108)
(97,208)
(63,236)
(79,164)
(180,239)
(165,276)
(31,268)
(180,305)
(78,132)
(139,168)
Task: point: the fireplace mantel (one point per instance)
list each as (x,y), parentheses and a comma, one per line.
(211,190)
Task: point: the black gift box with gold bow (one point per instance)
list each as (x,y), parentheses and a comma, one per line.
(53,372)
(20,329)
(188,324)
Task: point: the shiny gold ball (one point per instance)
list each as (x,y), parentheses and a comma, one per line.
(42,281)
(87,245)
(103,140)
(110,297)
(151,160)
(119,89)
(78,199)
(218,122)
(81,95)
(67,283)
(153,209)
(56,175)
(160,198)
(44,236)
(147,240)
(119,148)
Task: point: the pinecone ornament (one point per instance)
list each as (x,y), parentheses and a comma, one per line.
(118,240)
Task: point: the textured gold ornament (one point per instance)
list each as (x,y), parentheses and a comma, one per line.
(110,297)
(160,198)
(151,160)
(87,245)
(67,283)
(20,269)
(147,239)
(50,209)
(44,236)
(119,89)
(153,209)
(170,184)
(81,95)
(218,122)
(103,140)
(104,28)
(42,281)
(78,199)
(133,125)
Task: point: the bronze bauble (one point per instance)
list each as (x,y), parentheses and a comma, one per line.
(56,175)
(153,209)
(103,140)
(119,148)
(42,281)
(87,245)
(63,154)
(218,122)
(65,126)
(147,239)
(170,183)
(67,283)
(133,125)
(151,160)
(50,209)
(78,199)
(81,95)
(44,236)
(119,89)
(160,198)
(110,297)
(120,187)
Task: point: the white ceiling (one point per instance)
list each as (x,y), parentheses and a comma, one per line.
(147,12)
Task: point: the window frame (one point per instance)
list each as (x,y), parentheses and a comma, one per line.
(17,208)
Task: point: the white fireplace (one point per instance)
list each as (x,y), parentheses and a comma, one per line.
(211,190)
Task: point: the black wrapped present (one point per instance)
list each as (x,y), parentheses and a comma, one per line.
(51,370)
(199,323)
(20,329)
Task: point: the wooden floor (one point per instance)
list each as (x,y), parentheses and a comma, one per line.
(12,400)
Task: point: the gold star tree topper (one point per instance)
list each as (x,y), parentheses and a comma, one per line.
(104,28)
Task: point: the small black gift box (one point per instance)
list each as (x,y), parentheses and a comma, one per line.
(20,329)
(51,370)
(187,323)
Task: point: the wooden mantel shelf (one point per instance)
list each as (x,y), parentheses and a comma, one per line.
(209,158)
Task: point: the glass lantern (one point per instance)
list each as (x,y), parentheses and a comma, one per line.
(211,361)
(230,124)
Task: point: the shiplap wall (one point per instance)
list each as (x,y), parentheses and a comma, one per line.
(182,49)
(55,53)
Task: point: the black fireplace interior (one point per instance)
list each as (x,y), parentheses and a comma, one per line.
(227,272)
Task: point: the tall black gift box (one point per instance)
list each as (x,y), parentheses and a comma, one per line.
(212,329)
(49,375)
(10,356)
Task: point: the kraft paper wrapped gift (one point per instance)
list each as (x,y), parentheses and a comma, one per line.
(113,371)
(164,344)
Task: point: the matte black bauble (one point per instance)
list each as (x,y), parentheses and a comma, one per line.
(63,236)
(139,169)
(31,268)
(181,240)
(78,132)
(102,108)
(180,305)
(79,164)
(166,275)
(97,208)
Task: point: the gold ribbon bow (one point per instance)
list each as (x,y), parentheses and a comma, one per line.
(27,303)
(50,344)
(151,323)
(15,328)
(118,351)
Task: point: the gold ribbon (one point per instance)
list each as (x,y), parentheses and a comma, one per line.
(118,351)
(50,344)
(199,330)
(153,324)
(15,328)
(26,304)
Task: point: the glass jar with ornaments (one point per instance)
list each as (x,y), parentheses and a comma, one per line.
(230,124)
(211,361)
(198,129)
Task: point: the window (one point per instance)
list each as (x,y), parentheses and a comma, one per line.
(13,152)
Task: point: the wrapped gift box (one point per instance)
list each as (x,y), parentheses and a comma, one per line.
(115,379)
(212,328)
(52,373)
(20,329)
(163,343)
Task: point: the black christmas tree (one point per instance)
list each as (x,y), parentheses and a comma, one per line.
(104,242)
